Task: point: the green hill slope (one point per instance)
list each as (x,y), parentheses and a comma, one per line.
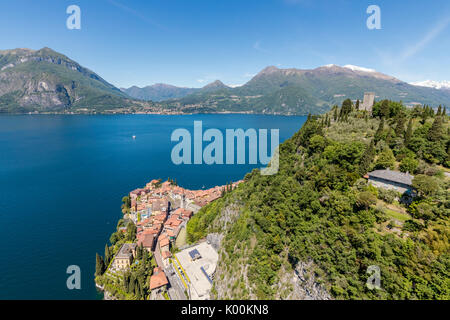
(313,229)
(45,80)
(295,91)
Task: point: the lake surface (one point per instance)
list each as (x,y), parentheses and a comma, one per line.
(62,179)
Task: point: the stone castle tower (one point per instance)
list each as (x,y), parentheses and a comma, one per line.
(369,98)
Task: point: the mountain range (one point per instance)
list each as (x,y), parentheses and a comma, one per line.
(296,91)
(158,92)
(433,84)
(47,81)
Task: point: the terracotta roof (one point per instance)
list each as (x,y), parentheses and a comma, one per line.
(146,240)
(160,217)
(162,236)
(182,212)
(158,279)
(164,242)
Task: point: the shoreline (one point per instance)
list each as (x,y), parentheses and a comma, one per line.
(151,113)
(157,213)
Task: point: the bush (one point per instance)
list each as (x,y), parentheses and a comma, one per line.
(421,210)
(387,195)
(412,226)
(386,159)
(408,164)
(361,185)
(432,171)
(365,199)
(373,190)
(425,185)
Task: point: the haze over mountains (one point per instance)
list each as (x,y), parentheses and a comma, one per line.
(161,91)
(158,92)
(46,81)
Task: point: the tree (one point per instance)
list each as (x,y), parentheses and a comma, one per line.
(386,159)
(365,199)
(126,281)
(400,127)
(367,159)
(347,106)
(317,143)
(115,237)
(425,185)
(138,252)
(379,132)
(107,255)
(384,110)
(408,164)
(409,132)
(137,290)
(357,104)
(425,114)
(132,285)
(131,231)
(436,130)
(126,204)
(99,265)
(390,137)
(145,255)
(421,210)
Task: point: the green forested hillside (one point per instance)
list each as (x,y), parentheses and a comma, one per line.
(47,81)
(297,91)
(319,208)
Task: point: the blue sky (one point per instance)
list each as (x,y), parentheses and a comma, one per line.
(191,43)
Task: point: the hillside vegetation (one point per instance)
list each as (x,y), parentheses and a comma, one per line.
(47,81)
(319,211)
(300,92)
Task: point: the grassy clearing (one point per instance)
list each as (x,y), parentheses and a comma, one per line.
(402,217)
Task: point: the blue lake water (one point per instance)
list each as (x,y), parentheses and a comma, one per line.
(62,179)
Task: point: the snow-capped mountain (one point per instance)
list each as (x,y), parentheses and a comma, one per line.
(351,67)
(356,68)
(432,84)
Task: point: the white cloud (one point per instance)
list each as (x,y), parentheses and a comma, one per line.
(391,59)
(430,36)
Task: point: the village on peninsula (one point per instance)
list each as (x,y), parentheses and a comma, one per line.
(149,258)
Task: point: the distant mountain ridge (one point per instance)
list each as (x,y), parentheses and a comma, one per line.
(161,91)
(47,81)
(433,84)
(44,80)
(158,92)
(303,91)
